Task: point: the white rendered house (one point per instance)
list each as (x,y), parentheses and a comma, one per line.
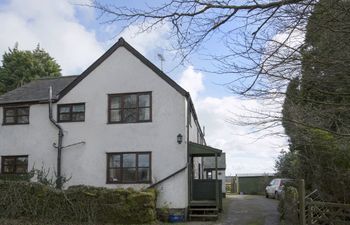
(121,123)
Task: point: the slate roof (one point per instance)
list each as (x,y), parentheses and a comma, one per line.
(37,91)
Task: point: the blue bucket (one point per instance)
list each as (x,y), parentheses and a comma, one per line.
(176,218)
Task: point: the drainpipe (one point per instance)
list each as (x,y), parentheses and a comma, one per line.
(189,167)
(59,146)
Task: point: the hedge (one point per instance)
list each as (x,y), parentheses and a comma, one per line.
(34,201)
(288,206)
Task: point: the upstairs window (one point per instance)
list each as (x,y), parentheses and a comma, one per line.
(14,164)
(133,167)
(130,108)
(16,115)
(71,112)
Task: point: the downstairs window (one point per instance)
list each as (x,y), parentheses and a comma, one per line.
(129,167)
(14,164)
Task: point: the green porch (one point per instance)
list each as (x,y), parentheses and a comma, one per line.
(205,199)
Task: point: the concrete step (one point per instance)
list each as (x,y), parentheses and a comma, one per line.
(203,216)
(204,209)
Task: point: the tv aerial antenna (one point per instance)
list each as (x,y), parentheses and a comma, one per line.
(162,59)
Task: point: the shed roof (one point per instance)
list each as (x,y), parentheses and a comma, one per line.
(255,175)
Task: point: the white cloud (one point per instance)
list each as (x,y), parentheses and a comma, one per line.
(52,24)
(149,42)
(245,153)
(145,40)
(292,39)
(283,46)
(192,81)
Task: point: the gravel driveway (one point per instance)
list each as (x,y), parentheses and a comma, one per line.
(245,210)
(249,210)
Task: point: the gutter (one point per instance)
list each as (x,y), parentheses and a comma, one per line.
(195,117)
(59,145)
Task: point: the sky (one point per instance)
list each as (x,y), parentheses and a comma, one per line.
(73,35)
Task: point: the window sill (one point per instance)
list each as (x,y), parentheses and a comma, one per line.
(146,182)
(148,121)
(11,124)
(3,173)
(71,121)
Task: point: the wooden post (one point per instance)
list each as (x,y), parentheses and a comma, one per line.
(301,194)
(190,175)
(232,185)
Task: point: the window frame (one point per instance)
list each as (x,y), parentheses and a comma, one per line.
(70,112)
(3,157)
(15,108)
(109,154)
(122,96)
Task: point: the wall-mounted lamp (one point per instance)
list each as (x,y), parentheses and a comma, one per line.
(179,138)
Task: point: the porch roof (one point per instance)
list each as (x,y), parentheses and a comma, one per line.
(203,150)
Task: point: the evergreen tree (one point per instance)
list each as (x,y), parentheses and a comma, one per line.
(325,85)
(20,67)
(316,111)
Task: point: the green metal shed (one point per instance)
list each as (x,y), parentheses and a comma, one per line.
(253,184)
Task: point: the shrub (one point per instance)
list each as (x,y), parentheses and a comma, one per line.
(288,206)
(20,199)
(17,177)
